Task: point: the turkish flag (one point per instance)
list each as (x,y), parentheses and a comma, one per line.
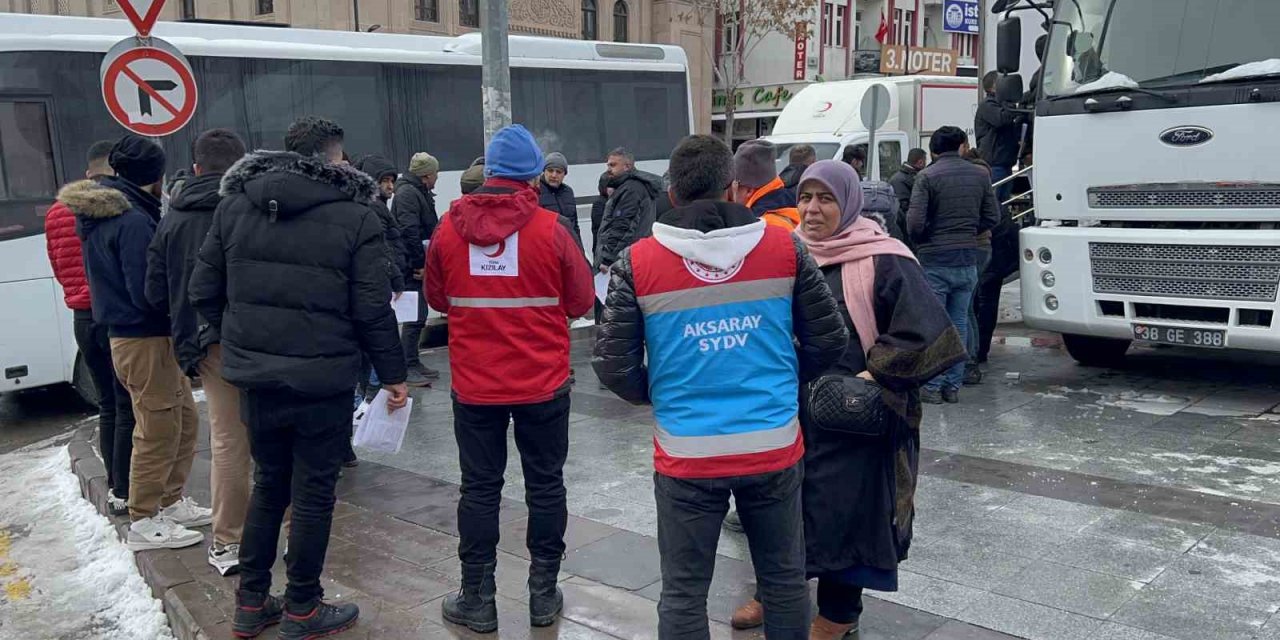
(883,31)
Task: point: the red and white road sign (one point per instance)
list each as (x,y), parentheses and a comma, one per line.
(149,89)
(142,13)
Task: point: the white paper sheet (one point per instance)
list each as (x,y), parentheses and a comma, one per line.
(602,286)
(406,307)
(380,430)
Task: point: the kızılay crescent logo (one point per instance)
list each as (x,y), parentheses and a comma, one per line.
(501,246)
(1187,136)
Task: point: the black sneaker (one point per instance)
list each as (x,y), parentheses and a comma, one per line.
(322,620)
(972,375)
(931,396)
(951,396)
(254,613)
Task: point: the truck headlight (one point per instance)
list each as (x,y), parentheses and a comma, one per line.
(1046,256)
(1051,302)
(1048,280)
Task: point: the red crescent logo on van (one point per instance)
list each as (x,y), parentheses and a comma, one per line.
(502,246)
(826,106)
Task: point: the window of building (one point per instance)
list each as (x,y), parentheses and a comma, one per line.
(729,34)
(589,13)
(426,10)
(838,27)
(857,29)
(904,24)
(827,10)
(620,19)
(469,13)
(265,7)
(965,45)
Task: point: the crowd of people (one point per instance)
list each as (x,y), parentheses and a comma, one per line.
(785,326)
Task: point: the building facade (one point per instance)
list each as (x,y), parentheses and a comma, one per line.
(844,40)
(655,21)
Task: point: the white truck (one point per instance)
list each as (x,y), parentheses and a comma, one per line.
(1156,184)
(826,116)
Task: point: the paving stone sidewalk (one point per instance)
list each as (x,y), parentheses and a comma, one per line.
(393,551)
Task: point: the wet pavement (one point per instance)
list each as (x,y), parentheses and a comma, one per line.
(1056,501)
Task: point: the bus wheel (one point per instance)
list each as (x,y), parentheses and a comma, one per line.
(1093,351)
(82,382)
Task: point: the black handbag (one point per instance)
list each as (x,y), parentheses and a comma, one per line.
(846,404)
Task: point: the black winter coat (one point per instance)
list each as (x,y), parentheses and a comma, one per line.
(414,207)
(293,275)
(561,201)
(116,221)
(903,182)
(620,350)
(632,205)
(952,202)
(171,259)
(791,175)
(999,132)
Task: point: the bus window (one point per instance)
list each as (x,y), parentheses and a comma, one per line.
(28,179)
(26,150)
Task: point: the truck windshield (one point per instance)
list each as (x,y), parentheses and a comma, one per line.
(824,151)
(1097,45)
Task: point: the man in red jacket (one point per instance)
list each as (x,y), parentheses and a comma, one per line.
(115,411)
(508,274)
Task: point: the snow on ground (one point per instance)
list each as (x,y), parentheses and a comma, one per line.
(63,571)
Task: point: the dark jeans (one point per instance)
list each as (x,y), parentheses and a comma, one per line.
(542,437)
(411,332)
(297,444)
(1004,191)
(972,335)
(839,602)
(690,513)
(987,309)
(954,287)
(115,409)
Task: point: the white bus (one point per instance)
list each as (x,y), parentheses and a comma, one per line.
(393,94)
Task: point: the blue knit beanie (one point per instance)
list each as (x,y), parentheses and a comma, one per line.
(513,153)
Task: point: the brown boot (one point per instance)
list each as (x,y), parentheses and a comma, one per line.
(748,616)
(824,629)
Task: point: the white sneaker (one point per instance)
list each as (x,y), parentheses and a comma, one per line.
(116,505)
(187,513)
(160,532)
(224,558)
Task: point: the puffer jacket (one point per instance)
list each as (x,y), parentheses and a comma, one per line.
(170,260)
(562,202)
(414,208)
(903,182)
(628,213)
(701,297)
(951,204)
(293,274)
(116,220)
(65,256)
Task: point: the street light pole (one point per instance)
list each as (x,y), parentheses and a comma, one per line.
(496,75)
(355,7)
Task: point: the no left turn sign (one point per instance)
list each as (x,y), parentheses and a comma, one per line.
(148,86)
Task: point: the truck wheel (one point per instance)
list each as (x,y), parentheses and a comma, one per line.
(82,382)
(1092,351)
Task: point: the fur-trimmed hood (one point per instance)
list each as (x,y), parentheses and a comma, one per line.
(294,183)
(92,200)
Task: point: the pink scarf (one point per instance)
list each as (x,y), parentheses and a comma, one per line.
(854,248)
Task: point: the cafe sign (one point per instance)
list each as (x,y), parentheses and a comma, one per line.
(767,98)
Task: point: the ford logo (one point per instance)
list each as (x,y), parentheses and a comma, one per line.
(1186,136)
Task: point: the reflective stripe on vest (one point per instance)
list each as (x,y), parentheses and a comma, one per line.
(748,291)
(728,444)
(503,303)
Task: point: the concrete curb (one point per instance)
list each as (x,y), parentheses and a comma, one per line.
(92,475)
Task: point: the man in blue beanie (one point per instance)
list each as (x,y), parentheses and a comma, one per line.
(507,273)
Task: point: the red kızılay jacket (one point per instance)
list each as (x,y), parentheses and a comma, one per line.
(508,274)
(65,255)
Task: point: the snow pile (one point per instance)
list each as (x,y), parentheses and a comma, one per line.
(1247,70)
(68,574)
(1112,80)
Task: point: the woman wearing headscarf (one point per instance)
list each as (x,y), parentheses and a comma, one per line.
(859,490)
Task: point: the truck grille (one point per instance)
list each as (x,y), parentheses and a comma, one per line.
(1186,271)
(1186,196)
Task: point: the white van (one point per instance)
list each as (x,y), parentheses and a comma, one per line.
(826,116)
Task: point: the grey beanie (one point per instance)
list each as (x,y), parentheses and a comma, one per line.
(556,160)
(755,164)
